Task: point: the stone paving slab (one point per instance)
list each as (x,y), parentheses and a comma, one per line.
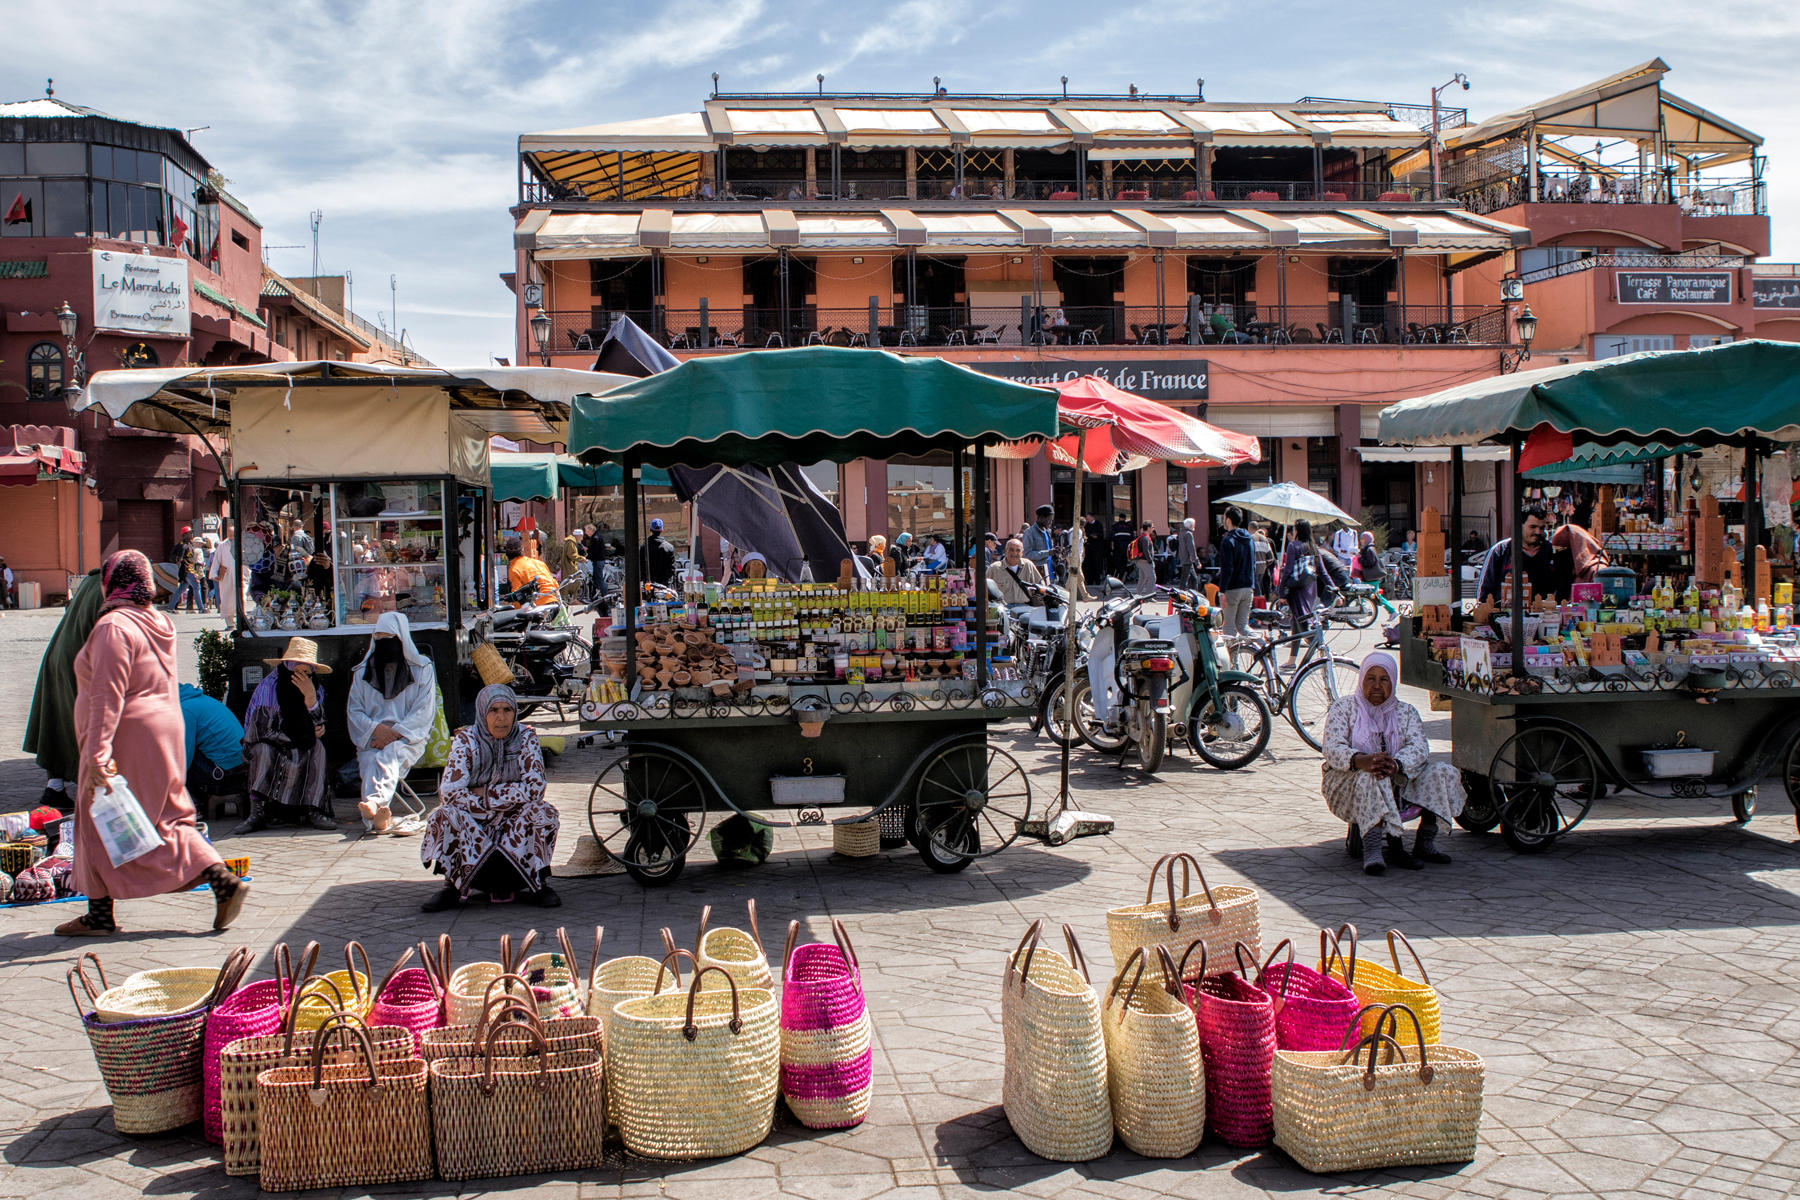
(1630,990)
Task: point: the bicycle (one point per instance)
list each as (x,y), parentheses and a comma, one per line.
(1318,680)
(1357,604)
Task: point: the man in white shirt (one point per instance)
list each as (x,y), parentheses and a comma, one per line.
(221,570)
(1343,544)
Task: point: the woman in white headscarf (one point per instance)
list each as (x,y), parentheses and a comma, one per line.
(393,703)
(1376,760)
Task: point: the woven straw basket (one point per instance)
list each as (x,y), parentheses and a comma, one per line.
(348,990)
(469,984)
(1222,917)
(1055,1090)
(491,667)
(737,953)
(827,1040)
(1237,1047)
(696,1073)
(363,1123)
(857,839)
(1375,1107)
(255,1010)
(1312,1011)
(163,992)
(466,1041)
(508,1114)
(1374,984)
(412,997)
(1153,1070)
(555,980)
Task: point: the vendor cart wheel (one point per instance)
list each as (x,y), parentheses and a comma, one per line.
(1231,731)
(1091,730)
(646,809)
(1320,684)
(1743,806)
(971,799)
(1544,780)
(1481,812)
(1790,776)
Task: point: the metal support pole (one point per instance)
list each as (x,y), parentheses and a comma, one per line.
(634,541)
(978,580)
(705,325)
(1455,539)
(959,544)
(1753,511)
(1517,633)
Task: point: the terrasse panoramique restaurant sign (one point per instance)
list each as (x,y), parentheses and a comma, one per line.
(1674,287)
(1177,379)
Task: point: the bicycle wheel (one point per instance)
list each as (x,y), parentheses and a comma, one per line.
(1316,688)
(1357,612)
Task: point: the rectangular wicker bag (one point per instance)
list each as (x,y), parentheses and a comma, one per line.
(1373,1107)
(1054,1088)
(1153,1067)
(1221,918)
(505,1113)
(359,1124)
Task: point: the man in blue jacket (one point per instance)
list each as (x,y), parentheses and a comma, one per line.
(215,745)
(1237,574)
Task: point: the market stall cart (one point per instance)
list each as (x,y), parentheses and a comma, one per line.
(1672,687)
(796,697)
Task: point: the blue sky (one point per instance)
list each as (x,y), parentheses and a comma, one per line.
(398,118)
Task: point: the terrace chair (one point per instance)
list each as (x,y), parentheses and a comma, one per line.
(1418,333)
(1328,333)
(815,337)
(1090,336)
(1300,335)
(857,339)
(990,335)
(1140,336)
(1262,196)
(951,337)
(734,340)
(1372,334)
(774,340)
(1457,333)
(1337,196)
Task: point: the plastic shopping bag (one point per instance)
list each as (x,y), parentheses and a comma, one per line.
(124,829)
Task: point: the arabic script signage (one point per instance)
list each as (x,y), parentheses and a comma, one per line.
(1674,287)
(1775,293)
(140,293)
(1172,379)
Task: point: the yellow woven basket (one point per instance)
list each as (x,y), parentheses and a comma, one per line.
(1376,984)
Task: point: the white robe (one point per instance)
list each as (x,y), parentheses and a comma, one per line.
(411,714)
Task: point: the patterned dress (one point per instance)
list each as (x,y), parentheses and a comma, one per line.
(290,779)
(1358,798)
(513,820)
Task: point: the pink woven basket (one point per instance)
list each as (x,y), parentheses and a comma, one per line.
(1312,1011)
(1237,1050)
(255,1010)
(827,1059)
(413,997)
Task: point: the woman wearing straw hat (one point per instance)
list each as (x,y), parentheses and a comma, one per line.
(284,742)
(493,830)
(128,727)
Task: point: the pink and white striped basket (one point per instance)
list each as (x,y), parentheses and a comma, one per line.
(826,1038)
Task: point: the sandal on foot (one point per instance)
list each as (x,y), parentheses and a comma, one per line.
(227,907)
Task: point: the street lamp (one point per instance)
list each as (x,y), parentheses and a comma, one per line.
(1459,77)
(68,322)
(1526,324)
(540,333)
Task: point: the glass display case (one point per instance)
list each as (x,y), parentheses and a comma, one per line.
(390,551)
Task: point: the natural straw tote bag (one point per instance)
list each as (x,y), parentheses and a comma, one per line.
(1374,984)
(827,1051)
(469,983)
(152,1066)
(1054,1091)
(410,997)
(1153,1070)
(1373,1107)
(159,993)
(555,979)
(1312,1011)
(358,1124)
(255,1010)
(243,1060)
(626,977)
(737,953)
(349,990)
(466,1041)
(695,1074)
(1237,1047)
(512,1113)
(1222,917)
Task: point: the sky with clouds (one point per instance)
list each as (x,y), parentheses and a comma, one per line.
(398,119)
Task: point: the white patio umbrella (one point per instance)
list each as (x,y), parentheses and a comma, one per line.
(1286,503)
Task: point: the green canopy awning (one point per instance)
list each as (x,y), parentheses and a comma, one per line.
(811,404)
(527,475)
(1607,464)
(571,472)
(1717,394)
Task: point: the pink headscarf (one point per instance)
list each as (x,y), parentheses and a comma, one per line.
(126,579)
(1376,728)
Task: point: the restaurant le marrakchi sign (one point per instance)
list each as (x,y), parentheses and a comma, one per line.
(1185,379)
(141,293)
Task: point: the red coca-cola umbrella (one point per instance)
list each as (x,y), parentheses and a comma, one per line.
(1118,431)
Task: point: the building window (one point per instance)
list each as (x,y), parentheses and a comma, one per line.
(44,371)
(1700,341)
(1613,345)
(239,240)
(139,354)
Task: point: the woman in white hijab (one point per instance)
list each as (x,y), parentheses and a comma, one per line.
(1376,760)
(393,703)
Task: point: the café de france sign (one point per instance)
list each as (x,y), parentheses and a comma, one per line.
(1173,380)
(141,293)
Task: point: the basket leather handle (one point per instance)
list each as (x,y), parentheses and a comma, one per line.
(568,949)
(231,974)
(1137,956)
(787,951)
(1426,1070)
(284,971)
(492,1044)
(1181,967)
(508,979)
(350,967)
(1238,950)
(1286,976)
(689,1030)
(335,1016)
(502,1009)
(405,957)
(1190,869)
(1395,955)
(1347,933)
(431,976)
(842,937)
(668,937)
(755,933)
(79,971)
(505,953)
(327,1035)
(700,933)
(1171,977)
(1373,1042)
(74,974)
(1031,936)
(1077,959)
(1353,1031)
(656,988)
(594,962)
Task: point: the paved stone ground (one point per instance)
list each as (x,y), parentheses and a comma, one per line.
(1630,990)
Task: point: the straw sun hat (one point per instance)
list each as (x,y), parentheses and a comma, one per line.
(301,650)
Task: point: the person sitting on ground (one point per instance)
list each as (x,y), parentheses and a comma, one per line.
(284,742)
(1015,574)
(1376,760)
(523,570)
(493,831)
(393,702)
(215,745)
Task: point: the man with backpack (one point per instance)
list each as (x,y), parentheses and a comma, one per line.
(1143,561)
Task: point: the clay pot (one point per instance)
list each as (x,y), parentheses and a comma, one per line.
(811,729)
(663,677)
(701,677)
(682,678)
(693,639)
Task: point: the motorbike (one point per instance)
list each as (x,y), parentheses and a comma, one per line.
(549,659)
(1151,674)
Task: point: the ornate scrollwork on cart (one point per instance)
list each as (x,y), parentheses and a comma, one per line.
(993,697)
(1691,788)
(1029,693)
(902,702)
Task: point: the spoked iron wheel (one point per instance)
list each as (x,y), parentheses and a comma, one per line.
(1543,782)
(1791,777)
(646,809)
(971,800)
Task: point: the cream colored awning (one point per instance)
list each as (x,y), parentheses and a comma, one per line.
(844,231)
(1133,153)
(970,229)
(676,132)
